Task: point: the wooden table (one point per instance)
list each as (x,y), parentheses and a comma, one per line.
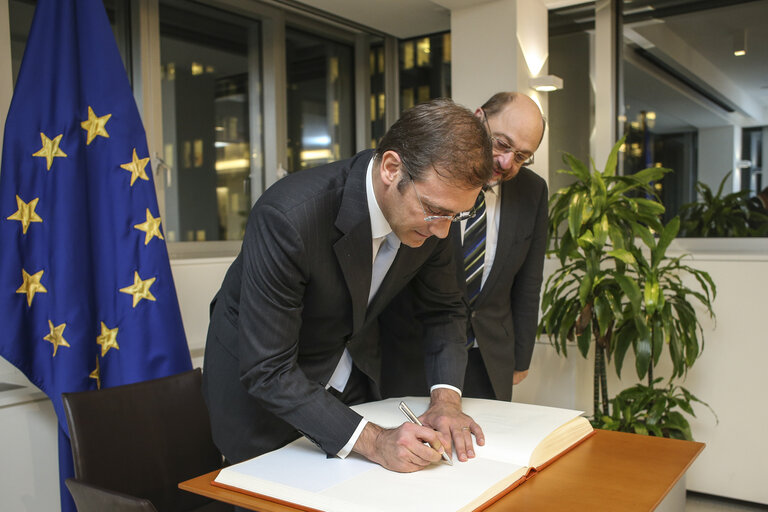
(608,471)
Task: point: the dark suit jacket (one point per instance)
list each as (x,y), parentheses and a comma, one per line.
(296,296)
(505,314)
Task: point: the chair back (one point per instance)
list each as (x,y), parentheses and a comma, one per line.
(143,439)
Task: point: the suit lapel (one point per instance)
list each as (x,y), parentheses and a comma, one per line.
(354,248)
(508,223)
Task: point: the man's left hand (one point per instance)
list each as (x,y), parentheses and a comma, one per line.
(445,416)
(518,376)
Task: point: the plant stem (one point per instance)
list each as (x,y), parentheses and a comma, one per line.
(596,383)
(604,382)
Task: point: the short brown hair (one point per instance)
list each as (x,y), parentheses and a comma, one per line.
(443,136)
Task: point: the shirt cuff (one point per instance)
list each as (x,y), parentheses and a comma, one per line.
(347,448)
(447,386)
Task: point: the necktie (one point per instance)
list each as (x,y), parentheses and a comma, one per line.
(382,262)
(474,249)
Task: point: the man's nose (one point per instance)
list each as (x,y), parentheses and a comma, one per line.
(440,228)
(505,160)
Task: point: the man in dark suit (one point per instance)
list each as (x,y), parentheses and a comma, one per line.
(503,314)
(293,334)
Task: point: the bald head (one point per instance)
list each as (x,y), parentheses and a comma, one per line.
(517,126)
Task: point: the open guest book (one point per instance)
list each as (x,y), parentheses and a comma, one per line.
(521,439)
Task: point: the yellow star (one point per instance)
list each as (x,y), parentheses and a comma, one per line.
(136,166)
(151,227)
(31,285)
(50,149)
(95,125)
(56,336)
(26,213)
(139,289)
(107,339)
(96,374)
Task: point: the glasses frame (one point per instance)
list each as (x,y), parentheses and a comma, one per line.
(457,217)
(520,157)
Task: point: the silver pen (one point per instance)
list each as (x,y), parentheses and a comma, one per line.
(413,419)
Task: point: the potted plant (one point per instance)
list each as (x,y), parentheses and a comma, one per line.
(718,215)
(616,286)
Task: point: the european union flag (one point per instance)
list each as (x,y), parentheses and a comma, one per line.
(87,298)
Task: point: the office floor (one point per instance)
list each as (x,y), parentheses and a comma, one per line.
(696,502)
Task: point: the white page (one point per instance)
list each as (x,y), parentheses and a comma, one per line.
(512,430)
(302,474)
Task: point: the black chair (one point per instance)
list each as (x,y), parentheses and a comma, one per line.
(133,444)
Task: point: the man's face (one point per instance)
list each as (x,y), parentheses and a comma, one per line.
(516,132)
(406,206)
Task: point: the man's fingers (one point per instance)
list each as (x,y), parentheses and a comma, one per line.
(478,433)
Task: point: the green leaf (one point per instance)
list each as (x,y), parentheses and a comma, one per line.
(631,290)
(642,348)
(579,169)
(610,164)
(667,235)
(624,337)
(585,289)
(575,212)
(583,339)
(623,255)
(651,295)
(603,313)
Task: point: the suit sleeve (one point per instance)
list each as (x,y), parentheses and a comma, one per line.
(275,273)
(526,291)
(443,316)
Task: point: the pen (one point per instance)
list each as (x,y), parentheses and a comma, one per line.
(413,419)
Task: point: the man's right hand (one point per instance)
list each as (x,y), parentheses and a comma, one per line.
(401,449)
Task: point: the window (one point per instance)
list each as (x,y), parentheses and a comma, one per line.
(425,69)
(208,148)
(378,106)
(321,125)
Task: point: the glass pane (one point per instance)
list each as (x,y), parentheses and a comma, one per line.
(320,100)
(22,11)
(425,69)
(696,104)
(378,99)
(206,131)
(571,110)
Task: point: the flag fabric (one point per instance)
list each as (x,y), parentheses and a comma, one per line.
(87,299)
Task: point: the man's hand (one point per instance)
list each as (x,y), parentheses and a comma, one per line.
(445,416)
(518,376)
(401,449)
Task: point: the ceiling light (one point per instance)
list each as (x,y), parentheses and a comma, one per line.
(547,83)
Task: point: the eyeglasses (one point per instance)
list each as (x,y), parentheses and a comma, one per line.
(458,217)
(500,146)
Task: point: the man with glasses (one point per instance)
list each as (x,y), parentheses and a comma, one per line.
(293,338)
(502,275)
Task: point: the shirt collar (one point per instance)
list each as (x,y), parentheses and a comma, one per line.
(379,225)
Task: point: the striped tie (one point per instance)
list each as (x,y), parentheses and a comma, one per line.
(474,249)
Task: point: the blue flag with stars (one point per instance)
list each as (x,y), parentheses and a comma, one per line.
(87,299)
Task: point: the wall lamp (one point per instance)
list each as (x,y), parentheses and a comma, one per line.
(547,83)
(740,44)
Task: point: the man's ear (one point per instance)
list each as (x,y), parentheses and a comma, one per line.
(479,113)
(390,168)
